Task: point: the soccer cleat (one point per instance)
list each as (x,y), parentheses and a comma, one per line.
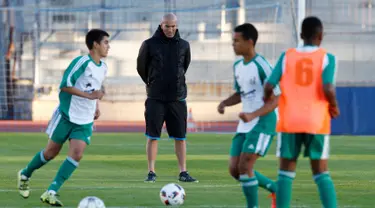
(185,177)
(273,200)
(51,199)
(151,177)
(23,185)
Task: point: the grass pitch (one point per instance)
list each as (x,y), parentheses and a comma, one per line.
(114,166)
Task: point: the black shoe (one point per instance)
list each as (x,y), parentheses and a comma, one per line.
(151,177)
(185,177)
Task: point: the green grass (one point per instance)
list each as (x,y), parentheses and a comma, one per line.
(114,166)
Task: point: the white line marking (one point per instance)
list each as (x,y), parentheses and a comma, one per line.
(187,206)
(149,186)
(213,206)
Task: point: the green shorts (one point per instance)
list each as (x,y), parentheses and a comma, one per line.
(60,129)
(316,146)
(252,142)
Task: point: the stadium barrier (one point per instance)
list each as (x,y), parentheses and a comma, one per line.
(357,111)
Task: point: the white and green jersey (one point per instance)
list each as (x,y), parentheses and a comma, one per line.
(84,74)
(248,82)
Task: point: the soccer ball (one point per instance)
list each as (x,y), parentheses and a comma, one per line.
(172,194)
(91,202)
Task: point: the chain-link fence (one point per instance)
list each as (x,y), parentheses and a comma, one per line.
(350,36)
(40,38)
(44,36)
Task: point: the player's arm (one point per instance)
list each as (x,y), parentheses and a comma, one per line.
(230,101)
(268,107)
(274,79)
(187,58)
(71,75)
(74,91)
(97,111)
(142,61)
(234,99)
(329,76)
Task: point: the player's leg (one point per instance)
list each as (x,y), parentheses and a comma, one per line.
(256,144)
(248,179)
(57,132)
(80,138)
(39,160)
(317,148)
(263,145)
(264,182)
(233,167)
(235,153)
(76,149)
(154,117)
(288,150)
(176,122)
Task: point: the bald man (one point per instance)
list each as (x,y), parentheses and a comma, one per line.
(162,63)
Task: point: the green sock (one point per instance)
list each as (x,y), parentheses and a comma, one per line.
(250,190)
(326,190)
(284,189)
(265,182)
(35,163)
(65,171)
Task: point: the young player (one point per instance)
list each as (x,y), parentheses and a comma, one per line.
(307,103)
(80,90)
(257,123)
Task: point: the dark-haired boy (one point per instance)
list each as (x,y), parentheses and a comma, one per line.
(307,103)
(257,123)
(80,90)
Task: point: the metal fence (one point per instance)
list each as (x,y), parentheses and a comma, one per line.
(49,37)
(349,34)
(40,38)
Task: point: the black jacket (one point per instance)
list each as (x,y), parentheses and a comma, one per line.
(162,63)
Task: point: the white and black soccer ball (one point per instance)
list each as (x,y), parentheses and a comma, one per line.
(172,194)
(91,202)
